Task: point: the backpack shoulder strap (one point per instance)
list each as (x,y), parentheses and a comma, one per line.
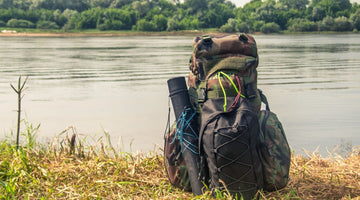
(264,99)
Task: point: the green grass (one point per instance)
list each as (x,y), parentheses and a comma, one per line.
(71,168)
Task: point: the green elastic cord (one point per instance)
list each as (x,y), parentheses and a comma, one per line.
(222,87)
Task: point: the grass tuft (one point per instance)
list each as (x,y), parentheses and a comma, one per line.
(68,168)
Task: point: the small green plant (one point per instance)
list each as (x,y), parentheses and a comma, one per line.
(30,134)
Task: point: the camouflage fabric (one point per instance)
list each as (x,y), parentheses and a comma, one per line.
(274,150)
(226,51)
(223,44)
(175,166)
(236,55)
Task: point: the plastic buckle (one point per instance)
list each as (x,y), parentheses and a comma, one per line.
(202,95)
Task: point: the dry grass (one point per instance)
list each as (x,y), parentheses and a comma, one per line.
(314,177)
(66,169)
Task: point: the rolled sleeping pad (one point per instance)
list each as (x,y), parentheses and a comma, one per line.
(179,95)
(180,100)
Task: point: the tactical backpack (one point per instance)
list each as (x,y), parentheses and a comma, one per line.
(223,90)
(233,54)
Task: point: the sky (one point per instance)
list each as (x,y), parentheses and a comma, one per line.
(243,2)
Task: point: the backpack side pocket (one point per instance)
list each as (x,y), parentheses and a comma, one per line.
(174,162)
(274,151)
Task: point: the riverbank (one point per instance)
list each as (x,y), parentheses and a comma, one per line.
(93,33)
(67,168)
(17,32)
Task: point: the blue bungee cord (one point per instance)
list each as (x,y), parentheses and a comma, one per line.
(181,124)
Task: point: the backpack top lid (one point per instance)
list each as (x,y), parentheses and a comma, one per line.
(220,44)
(223,52)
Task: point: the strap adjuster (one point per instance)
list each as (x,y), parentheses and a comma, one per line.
(202,95)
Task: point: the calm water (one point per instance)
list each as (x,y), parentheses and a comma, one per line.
(119,84)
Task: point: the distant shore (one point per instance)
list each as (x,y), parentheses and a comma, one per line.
(96,33)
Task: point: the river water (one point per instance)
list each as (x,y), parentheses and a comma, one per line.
(118,84)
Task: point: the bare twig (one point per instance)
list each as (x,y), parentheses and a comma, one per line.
(19,90)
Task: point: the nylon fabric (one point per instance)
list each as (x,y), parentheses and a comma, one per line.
(229,141)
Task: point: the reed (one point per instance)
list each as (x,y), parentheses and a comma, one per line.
(69,168)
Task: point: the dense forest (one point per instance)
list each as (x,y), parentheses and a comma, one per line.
(268,16)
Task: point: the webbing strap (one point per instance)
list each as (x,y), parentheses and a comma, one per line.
(167,128)
(264,99)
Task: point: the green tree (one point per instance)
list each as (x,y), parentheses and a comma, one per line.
(46,25)
(5,4)
(318,13)
(248,10)
(189,23)
(79,5)
(355,19)
(271,27)
(327,24)
(110,24)
(195,6)
(59,18)
(302,25)
(342,24)
(115,19)
(160,22)
(120,3)
(266,12)
(257,26)
(211,19)
(230,26)
(218,13)
(167,8)
(295,4)
(243,27)
(22,4)
(101,3)
(20,23)
(142,7)
(88,19)
(173,25)
(330,7)
(13,13)
(143,25)
(68,13)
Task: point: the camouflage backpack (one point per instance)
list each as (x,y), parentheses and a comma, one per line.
(274,150)
(235,56)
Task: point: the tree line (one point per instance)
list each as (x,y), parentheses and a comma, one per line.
(268,16)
